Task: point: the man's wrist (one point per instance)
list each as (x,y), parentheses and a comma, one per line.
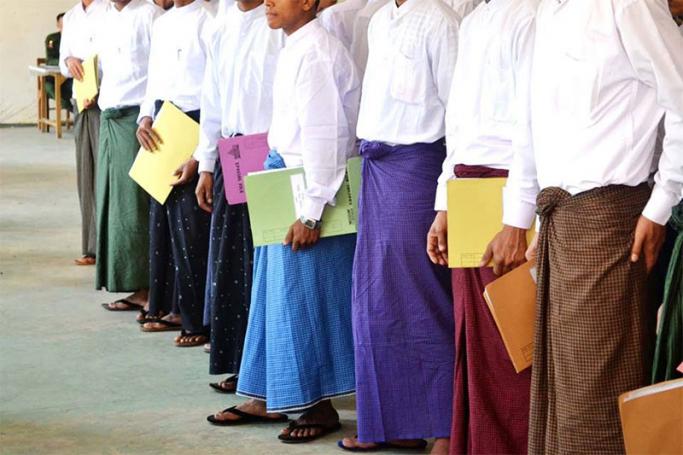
(310,223)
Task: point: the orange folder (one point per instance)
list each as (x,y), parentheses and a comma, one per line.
(652,419)
(512,301)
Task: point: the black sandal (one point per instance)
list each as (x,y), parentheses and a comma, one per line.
(287,439)
(244,418)
(220,386)
(167,326)
(130,306)
(144,317)
(421,445)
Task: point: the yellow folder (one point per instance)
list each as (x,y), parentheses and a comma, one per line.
(153,171)
(475,216)
(88,88)
(652,419)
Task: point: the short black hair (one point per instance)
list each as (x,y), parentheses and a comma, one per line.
(59,16)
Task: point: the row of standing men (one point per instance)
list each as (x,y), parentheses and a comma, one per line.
(565,97)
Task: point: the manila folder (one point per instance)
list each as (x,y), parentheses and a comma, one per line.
(475,216)
(153,171)
(652,419)
(512,301)
(88,88)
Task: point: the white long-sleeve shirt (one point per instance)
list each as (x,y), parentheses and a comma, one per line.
(237,97)
(80,32)
(359,40)
(408,76)
(339,18)
(604,74)
(178,57)
(315,108)
(124,44)
(487,118)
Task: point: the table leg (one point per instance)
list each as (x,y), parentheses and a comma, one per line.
(44,107)
(58,105)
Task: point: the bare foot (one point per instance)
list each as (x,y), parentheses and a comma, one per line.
(140,297)
(441,446)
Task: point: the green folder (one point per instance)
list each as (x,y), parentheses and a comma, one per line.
(272,206)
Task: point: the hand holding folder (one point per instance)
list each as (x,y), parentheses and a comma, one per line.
(275,198)
(154,171)
(87,88)
(475,214)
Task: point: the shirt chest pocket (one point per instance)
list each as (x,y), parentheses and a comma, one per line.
(578,82)
(497,94)
(409,78)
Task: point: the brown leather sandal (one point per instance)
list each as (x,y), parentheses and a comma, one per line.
(190,340)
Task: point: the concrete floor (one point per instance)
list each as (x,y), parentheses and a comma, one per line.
(75,379)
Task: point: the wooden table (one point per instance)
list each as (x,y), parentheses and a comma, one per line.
(42,72)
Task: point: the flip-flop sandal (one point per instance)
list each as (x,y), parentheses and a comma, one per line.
(326,429)
(193,340)
(422,444)
(220,388)
(131,306)
(166,326)
(244,418)
(144,317)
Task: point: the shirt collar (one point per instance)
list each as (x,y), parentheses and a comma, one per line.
(251,14)
(302,33)
(194,6)
(494,5)
(399,12)
(128,7)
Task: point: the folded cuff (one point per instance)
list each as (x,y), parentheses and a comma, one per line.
(313,208)
(517,213)
(441,202)
(658,208)
(206,165)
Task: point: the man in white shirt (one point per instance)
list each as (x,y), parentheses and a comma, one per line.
(178,230)
(237,99)
(78,43)
(601,84)
(122,206)
(338,19)
(359,40)
(402,307)
(486,124)
(298,353)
